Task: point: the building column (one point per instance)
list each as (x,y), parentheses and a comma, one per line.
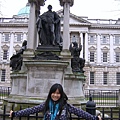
(66,35)
(32,27)
(81,41)
(24,36)
(86,47)
(111,49)
(0,44)
(32,30)
(98,49)
(11,45)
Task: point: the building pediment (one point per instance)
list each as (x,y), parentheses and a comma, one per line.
(5,47)
(105,49)
(74,19)
(117,49)
(78,19)
(92,48)
(17,47)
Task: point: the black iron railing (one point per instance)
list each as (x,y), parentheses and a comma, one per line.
(4,92)
(107,114)
(37,116)
(104,97)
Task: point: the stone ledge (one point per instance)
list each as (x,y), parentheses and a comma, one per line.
(79,76)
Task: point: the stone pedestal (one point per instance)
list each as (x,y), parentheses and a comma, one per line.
(31,85)
(34,83)
(73,86)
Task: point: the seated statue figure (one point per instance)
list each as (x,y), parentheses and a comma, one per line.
(77,63)
(16,60)
(48,27)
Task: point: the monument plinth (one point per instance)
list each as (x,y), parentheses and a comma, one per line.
(33,84)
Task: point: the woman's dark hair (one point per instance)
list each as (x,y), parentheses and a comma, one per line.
(63,98)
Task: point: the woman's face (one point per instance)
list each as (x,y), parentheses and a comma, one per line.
(56,95)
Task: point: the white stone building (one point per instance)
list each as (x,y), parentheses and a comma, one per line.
(100,39)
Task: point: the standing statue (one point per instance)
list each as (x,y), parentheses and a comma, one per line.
(16,60)
(77,63)
(48,27)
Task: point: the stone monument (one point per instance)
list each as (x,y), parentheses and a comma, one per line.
(45,62)
(48,26)
(17,59)
(77,63)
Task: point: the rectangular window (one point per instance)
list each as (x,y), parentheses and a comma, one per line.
(105,78)
(5,55)
(3,75)
(19,37)
(92,78)
(6,37)
(91,56)
(118,78)
(105,57)
(104,39)
(74,38)
(117,56)
(91,39)
(117,39)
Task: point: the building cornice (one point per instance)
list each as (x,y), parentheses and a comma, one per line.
(91,26)
(105,26)
(71,24)
(97,65)
(79,24)
(14,25)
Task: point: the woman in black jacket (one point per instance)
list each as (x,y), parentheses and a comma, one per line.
(55,107)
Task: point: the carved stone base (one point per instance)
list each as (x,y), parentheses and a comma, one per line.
(51,48)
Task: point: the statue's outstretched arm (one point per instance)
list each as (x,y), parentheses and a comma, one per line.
(80,47)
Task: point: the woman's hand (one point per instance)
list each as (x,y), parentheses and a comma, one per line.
(99,117)
(11,113)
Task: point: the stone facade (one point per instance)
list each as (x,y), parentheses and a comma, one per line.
(100,40)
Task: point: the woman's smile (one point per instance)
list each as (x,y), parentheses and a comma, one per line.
(56,95)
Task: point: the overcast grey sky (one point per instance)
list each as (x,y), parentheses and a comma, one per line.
(103,9)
